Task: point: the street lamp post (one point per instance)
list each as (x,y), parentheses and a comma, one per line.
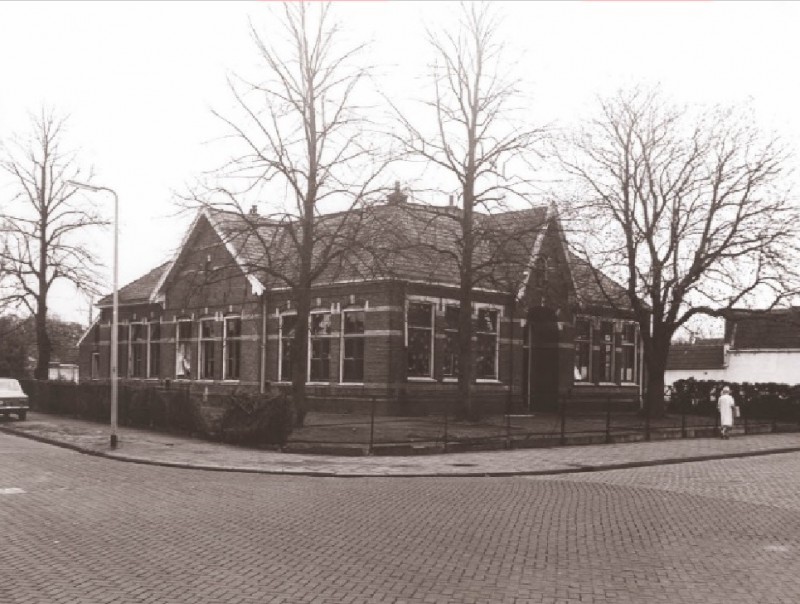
(115,312)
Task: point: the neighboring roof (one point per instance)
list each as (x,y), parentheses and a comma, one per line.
(702,354)
(763,329)
(139,290)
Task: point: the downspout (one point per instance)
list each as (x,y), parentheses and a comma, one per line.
(262,381)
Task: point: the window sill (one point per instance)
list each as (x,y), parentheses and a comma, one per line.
(349,384)
(450,380)
(488,381)
(318,383)
(421,379)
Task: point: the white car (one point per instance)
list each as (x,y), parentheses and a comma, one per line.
(12,398)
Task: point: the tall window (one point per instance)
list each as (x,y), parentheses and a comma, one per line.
(450,364)
(208,336)
(154,350)
(183,353)
(353,346)
(288,326)
(605,363)
(95,365)
(138,348)
(319,347)
(420,339)
(583,349)
(233,348)
(628,362)
(486,350)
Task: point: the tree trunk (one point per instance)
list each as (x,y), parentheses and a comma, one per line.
(43,343)
(300,354)
(466,365)
(654,391)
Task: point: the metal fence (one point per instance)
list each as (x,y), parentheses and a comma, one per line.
(571,425)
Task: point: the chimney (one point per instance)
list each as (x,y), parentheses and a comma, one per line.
(450,200)
(254,210)
(396,197)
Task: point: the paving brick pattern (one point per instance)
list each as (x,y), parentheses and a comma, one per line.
(93,530)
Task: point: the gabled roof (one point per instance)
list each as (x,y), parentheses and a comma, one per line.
(404,241)
(407,241)
(702,354)
(139,290)
(763,329)
(593,288)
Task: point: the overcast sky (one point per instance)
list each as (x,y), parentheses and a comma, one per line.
(139,79)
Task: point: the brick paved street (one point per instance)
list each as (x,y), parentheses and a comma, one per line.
(82,529)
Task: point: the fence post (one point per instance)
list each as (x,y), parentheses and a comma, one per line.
(647,422)
(608,420)
(446,409)
(744,418)
(372,427)
(683,422)
(508,431)
(563,410)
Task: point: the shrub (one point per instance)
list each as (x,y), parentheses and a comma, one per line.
(253,419)
(257,419)
(769,401)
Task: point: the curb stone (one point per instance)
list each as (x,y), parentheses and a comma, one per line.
(577,469)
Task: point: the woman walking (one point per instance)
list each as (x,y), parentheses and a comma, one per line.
(725,405)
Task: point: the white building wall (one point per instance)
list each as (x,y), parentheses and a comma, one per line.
(673,375)
(780,366)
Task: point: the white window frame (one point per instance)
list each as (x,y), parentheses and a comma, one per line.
(328,337)
(201,358)
(281,377)
(95,366)
(433,302)
(130,349)
(362,335)
(225,341)
(601,343)
(499,310)
(635,346)
(148,372)
(178,345)
(589,377)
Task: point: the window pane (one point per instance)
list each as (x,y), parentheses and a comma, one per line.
(185,330)
(183,361)
(353,363)
(419,352)
(582,355)
(485,357)
(582,329)
(207,329)
(286,359)
(288,324)
(207,366)
(233,328)
(487,321)
(451,317)
(320,355)
(419,314)
(155,331)
(450,362)
(321,324)
(354,322)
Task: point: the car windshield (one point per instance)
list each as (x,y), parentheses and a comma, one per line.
(10,385)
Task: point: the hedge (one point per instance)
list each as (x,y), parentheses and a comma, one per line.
(236,417)
(769,401)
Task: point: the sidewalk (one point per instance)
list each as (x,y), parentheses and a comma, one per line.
(156,448)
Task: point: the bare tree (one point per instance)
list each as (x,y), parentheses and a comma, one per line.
(43,226)
(479,147)
(689,209)
(308,144)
